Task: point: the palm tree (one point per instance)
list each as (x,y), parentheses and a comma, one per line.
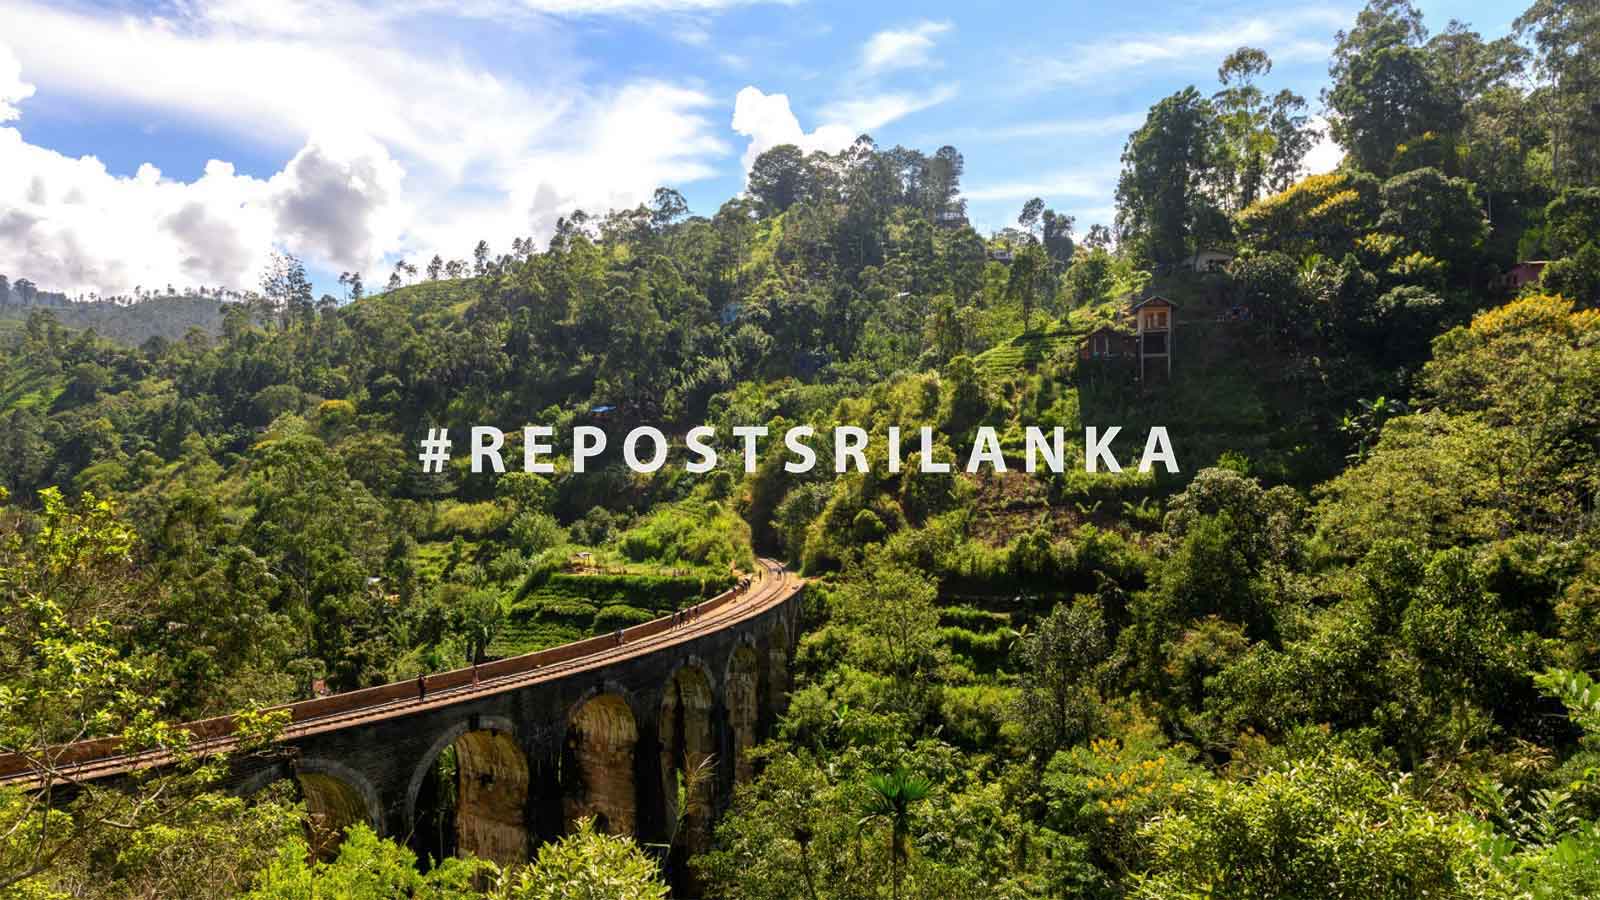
(890,799)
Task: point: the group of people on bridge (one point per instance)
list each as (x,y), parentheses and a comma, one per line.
(685,616)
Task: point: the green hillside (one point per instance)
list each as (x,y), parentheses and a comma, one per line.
(1340,643)
(131,324)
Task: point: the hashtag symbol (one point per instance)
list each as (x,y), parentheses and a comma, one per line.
(435,450)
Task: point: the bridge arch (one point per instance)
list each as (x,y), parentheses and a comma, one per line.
(742,697)
(336,797)
(686,728)
(469,793)
(597,763)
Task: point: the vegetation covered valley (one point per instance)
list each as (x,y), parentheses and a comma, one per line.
(1345,652)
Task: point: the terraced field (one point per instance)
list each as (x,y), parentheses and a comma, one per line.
(1027,351)
(568,607)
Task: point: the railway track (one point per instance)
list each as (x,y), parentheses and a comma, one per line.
(95,759)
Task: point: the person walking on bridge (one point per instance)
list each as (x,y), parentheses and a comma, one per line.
(422,685)
(619,637)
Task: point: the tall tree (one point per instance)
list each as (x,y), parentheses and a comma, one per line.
(941,185)
(1566,34)
(1056,233)
(890,799)
(1057,702)
(1163,207)
(1028,218)
(1386,92)
(667,208)
(779,178)
(1264,139)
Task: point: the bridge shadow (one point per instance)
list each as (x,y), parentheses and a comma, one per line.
(471,797)
(688,768)
(597,766)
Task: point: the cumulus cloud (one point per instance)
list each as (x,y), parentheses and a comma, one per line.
(337,195)
(389,152)
(13,89)
(1326,154)
(767,119)
(902,48)
(72,225)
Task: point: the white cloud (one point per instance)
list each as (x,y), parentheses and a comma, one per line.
(390,152)
(904,48)
(71,225)
(767,119)
(13,89)
(634,7)
(319,16)
(878,110)
(341,195)
(1326,154)
(1197,49)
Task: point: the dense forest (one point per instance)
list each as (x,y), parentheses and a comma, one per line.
(1344,652)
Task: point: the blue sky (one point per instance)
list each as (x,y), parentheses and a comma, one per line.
(180,142)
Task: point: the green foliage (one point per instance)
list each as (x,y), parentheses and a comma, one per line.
(535,532)
(1437,215)
(890,609)
(1385,92)
(1059,703)
(1162,211)
(586,865)
(1104,791)
(472,520)
(367,867)
(613,617)
(1323,828)
(703,534)
(1109,685)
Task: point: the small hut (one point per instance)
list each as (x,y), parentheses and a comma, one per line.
(1154,318)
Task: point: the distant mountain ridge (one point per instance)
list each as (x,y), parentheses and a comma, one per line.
(130,323)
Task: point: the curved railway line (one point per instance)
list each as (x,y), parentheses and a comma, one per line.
(99,758)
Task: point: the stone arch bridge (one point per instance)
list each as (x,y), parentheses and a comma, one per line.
(498,760)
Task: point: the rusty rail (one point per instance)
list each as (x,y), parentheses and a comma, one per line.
(98,758)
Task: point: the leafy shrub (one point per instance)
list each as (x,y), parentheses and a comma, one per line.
(972,617)
(536,532)
(986,649)
(470,519)
(975,715)
(699,533)
(1330,828)
(613,617)
(559,610)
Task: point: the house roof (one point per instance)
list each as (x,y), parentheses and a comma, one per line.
(1156,300)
